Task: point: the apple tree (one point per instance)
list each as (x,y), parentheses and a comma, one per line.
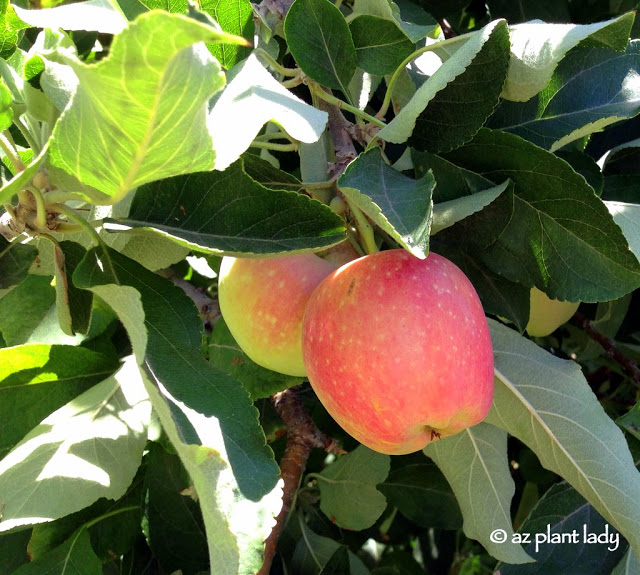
(190,194)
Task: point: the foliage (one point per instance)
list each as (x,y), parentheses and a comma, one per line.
(142,140)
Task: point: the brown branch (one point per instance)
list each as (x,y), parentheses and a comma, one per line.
(341,131)
(609,346)
(302,437)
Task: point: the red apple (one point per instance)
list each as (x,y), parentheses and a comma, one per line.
(262,300)
(398,350)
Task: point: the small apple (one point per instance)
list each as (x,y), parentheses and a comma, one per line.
(262,300)
(341,254)
(546,314)
(398,350)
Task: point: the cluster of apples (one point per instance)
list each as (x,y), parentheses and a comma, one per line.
(396,348)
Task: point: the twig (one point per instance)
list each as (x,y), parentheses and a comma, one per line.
(609,345)
(302,437)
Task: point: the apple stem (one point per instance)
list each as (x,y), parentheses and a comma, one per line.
(302,437)
(365,229)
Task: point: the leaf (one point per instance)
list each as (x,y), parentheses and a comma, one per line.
(536,49)
(22,179)
(421,493)
(380,45)
(226,354)
(15,261)
(73,305)
(37,379)
(22,309)
(154,59)
(629,565)
(400,205)
(466,86)
(413,21)
(547,404)
(630,421)
(235,18)
(267,175)
(257,97)
(91,447)
(545,10)
(10,29)
(627,216)
(208,416)
(6,111)
(445,214)
(348,494)
(559,236)
(563,512)
(576,102)
(228,212)
(338,564)
(74,557)
(475,464)
(99,15)
(319,39)
(176,532)
(13,550)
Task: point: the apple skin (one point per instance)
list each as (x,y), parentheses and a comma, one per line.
(262,301)
(546,314)
(398,350)
(341,254)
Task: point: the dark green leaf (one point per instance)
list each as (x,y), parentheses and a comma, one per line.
(631,421)
(623,160)
(576,101)
(320,41)
(72,304)
(563,512)
(35,380)
(400,205)
(622,188)
(380,45)
(228,212)
(338,564)
(24,307)
(586,166)
(545,10)
(421,493)
(176,531)
(15,261)
(268,175)
(13,549)
(74,557)
(226,354)
(234,17)
(560,237)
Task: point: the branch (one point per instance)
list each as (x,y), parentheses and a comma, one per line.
(302,437)
(609,346)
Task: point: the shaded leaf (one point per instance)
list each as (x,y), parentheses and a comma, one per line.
(267,175)
(15,261)
(228,212)
(547,404)
(475,464)
(400,205)
(411,19)
(629,565)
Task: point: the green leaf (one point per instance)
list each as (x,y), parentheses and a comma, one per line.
(319,39)
(348,494)
(627,216)
(563,512)
(176,532)
(475,464)
(559,236)
(6,111)
(445,214)
(453,104)
(10,29)
(413,21)
(421,493)
(91,447)
(630,421)
(37,379)
(228,212)
(577,102)
(22,179)
(380,45)
(226,354)
(257,97)
(207,415)
(536,49)
(15,261)
(338,564)
(401,206)
(24,307)
(74,557)
(267,175)
(154,59)
(629,565)
(99,15)
(547,404)
(73,305)
(234,17)
(545,10)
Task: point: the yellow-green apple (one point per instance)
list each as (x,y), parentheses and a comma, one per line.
(262,300)
(546,314)
(398,350)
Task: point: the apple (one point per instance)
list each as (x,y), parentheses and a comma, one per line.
(340,254)
(262,301)
(546,314)
(398,350)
